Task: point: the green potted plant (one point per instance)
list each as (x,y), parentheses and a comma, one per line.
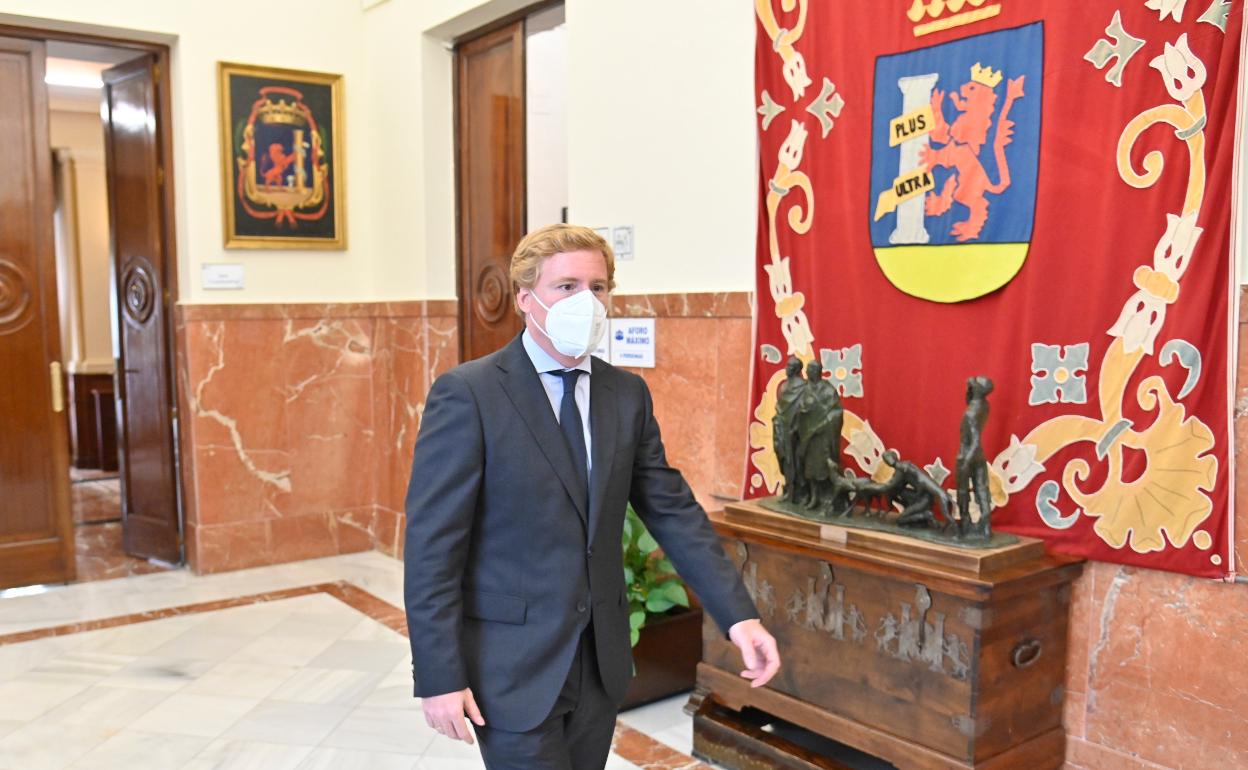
(666,629)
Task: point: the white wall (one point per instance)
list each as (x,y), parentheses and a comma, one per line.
(87,340)
(662,137)
(546,116)
(661,134)
(321,35)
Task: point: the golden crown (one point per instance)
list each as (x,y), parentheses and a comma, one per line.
(985,75)
(282,112)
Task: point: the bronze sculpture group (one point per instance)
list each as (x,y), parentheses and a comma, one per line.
(807,435)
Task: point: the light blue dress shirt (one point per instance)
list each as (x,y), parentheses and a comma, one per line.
(546,365)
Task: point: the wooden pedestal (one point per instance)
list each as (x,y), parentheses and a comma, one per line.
(926,657)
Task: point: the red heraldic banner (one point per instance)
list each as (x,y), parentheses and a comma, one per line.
(1036,192)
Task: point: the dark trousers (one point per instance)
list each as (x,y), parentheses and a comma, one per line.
(575,736)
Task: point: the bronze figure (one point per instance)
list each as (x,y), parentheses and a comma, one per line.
(806,433)
(819,415)
(911,486)
(972,467)
(783,435)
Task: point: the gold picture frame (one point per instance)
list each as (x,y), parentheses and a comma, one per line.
(282,158)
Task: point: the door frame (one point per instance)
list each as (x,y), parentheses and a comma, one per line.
(168,236)
(464,309)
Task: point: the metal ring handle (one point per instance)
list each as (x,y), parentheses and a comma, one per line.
(1026,653)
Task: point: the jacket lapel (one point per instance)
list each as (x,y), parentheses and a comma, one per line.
(603,420)
(523,387)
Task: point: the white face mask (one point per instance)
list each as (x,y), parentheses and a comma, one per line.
(574,325)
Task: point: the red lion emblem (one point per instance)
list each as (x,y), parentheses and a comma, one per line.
(279,160)
(969,183)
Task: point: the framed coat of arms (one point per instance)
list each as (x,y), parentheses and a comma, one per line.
(281,151)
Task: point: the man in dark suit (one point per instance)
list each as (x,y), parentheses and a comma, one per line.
(514,580)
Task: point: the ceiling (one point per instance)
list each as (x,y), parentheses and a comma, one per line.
(73,73)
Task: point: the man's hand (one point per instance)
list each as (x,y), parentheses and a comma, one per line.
(445,713)
(758,650)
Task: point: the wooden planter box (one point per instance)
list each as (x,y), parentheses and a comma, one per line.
(666,658)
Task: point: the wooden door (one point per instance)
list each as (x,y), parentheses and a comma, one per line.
(490,189)
(36,533)
(151,524)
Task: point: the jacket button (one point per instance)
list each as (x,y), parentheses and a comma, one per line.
(589,552)
(580,607)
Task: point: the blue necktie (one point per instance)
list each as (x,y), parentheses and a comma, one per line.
(572,427)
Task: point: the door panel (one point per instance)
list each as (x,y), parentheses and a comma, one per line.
(150,516)
(489,112)
(36,532)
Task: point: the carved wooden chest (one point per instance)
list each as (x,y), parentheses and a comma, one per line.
(923,655)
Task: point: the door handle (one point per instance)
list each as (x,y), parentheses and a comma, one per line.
(58,388)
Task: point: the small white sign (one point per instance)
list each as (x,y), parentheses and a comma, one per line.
(622,242)
(222,276)
(632,342)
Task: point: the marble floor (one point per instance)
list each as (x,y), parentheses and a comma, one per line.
(303,665)
(95,499)
(98,554)
(95,496)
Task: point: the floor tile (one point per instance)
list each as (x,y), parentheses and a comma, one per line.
(304,682)
(85,665)
(368,629)
(315,625)
(110,708)
(135,750)
(254,620)
(17,659)
(376,573)
(350,759)
(380,657)
(28,696)
(190,714)
(401,731)
(279,651)
(232,754)
(99,553)
(243,680)
(39,746)
(657,716)
(323,685)
(450,763)
(395,691)
(140,638)
(302,724)
(200,645)
(91,474)
(679,738)
(616,762)
(155,673)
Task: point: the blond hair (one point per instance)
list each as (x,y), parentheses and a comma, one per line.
(545,242)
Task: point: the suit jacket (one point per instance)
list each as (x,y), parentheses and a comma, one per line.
(507,562)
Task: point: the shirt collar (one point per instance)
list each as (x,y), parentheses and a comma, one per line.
(545,362)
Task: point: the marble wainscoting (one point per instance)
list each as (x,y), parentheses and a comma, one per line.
(1154,674)
(298,422)
(700,384)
